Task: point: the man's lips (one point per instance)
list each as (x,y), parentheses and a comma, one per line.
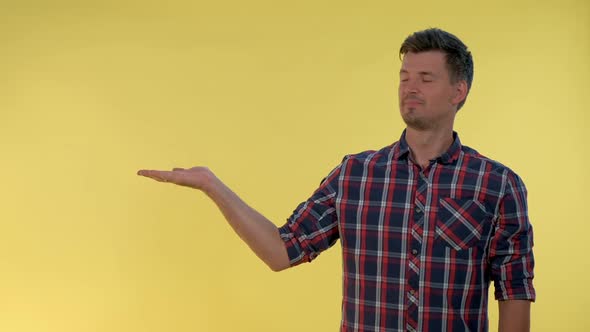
(412,102)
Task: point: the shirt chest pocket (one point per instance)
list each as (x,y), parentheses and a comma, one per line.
(461,223)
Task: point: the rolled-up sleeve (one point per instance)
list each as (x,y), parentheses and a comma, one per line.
(511,250)
(313,226)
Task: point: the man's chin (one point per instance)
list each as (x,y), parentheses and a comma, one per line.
(417,124)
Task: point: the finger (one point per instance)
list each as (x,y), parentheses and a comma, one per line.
(178,169)
(146,172)
(162,176)
(143,172)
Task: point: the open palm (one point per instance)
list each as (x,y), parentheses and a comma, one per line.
(194,177)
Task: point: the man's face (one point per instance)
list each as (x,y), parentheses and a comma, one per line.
(427,98)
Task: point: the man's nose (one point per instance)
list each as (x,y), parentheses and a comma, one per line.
(410,86)
(410,89)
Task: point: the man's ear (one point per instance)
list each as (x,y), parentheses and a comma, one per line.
(460,92)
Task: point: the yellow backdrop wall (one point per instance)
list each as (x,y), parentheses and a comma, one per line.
(270,95)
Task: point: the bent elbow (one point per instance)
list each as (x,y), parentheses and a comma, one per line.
(276,268)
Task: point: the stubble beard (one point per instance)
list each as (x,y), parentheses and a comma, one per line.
(416,122)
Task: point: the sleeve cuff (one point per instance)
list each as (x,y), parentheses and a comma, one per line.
(514,290)
(294,250)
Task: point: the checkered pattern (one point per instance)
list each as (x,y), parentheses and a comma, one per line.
(420,246)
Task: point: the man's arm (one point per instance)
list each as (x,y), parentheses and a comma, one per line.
(515,316)
(511,257)
(259,233)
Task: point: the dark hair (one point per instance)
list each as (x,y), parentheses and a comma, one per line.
(459,60)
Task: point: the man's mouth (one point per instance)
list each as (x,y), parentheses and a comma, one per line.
(412,102)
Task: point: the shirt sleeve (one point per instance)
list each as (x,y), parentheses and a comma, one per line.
(313,226)
(511,251)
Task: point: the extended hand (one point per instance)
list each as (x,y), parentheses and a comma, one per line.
(195,177)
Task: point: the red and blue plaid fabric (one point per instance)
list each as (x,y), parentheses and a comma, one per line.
(420,246)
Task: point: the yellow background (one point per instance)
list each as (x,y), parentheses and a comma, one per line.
(270,95)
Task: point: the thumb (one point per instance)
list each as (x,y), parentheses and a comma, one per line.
(178,169)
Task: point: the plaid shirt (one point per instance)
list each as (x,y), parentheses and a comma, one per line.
(420,246)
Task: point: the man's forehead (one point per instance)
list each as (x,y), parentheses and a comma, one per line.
(429,61)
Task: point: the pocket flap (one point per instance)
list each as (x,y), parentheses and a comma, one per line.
(461,222)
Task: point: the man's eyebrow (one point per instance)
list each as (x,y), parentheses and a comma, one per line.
(422,73)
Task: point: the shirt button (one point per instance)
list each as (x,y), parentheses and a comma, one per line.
(411,292)
(414,252)
(418,210)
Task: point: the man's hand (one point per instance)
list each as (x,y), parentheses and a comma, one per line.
(195,177)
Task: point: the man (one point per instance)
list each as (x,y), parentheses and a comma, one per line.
(425,224)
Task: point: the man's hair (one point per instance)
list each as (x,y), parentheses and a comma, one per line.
(459,60)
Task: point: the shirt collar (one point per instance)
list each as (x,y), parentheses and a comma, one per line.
(402,149)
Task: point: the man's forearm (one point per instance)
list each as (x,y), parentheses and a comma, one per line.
(515,316)
(259,233)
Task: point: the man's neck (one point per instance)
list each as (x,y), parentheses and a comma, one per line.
(428,145)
